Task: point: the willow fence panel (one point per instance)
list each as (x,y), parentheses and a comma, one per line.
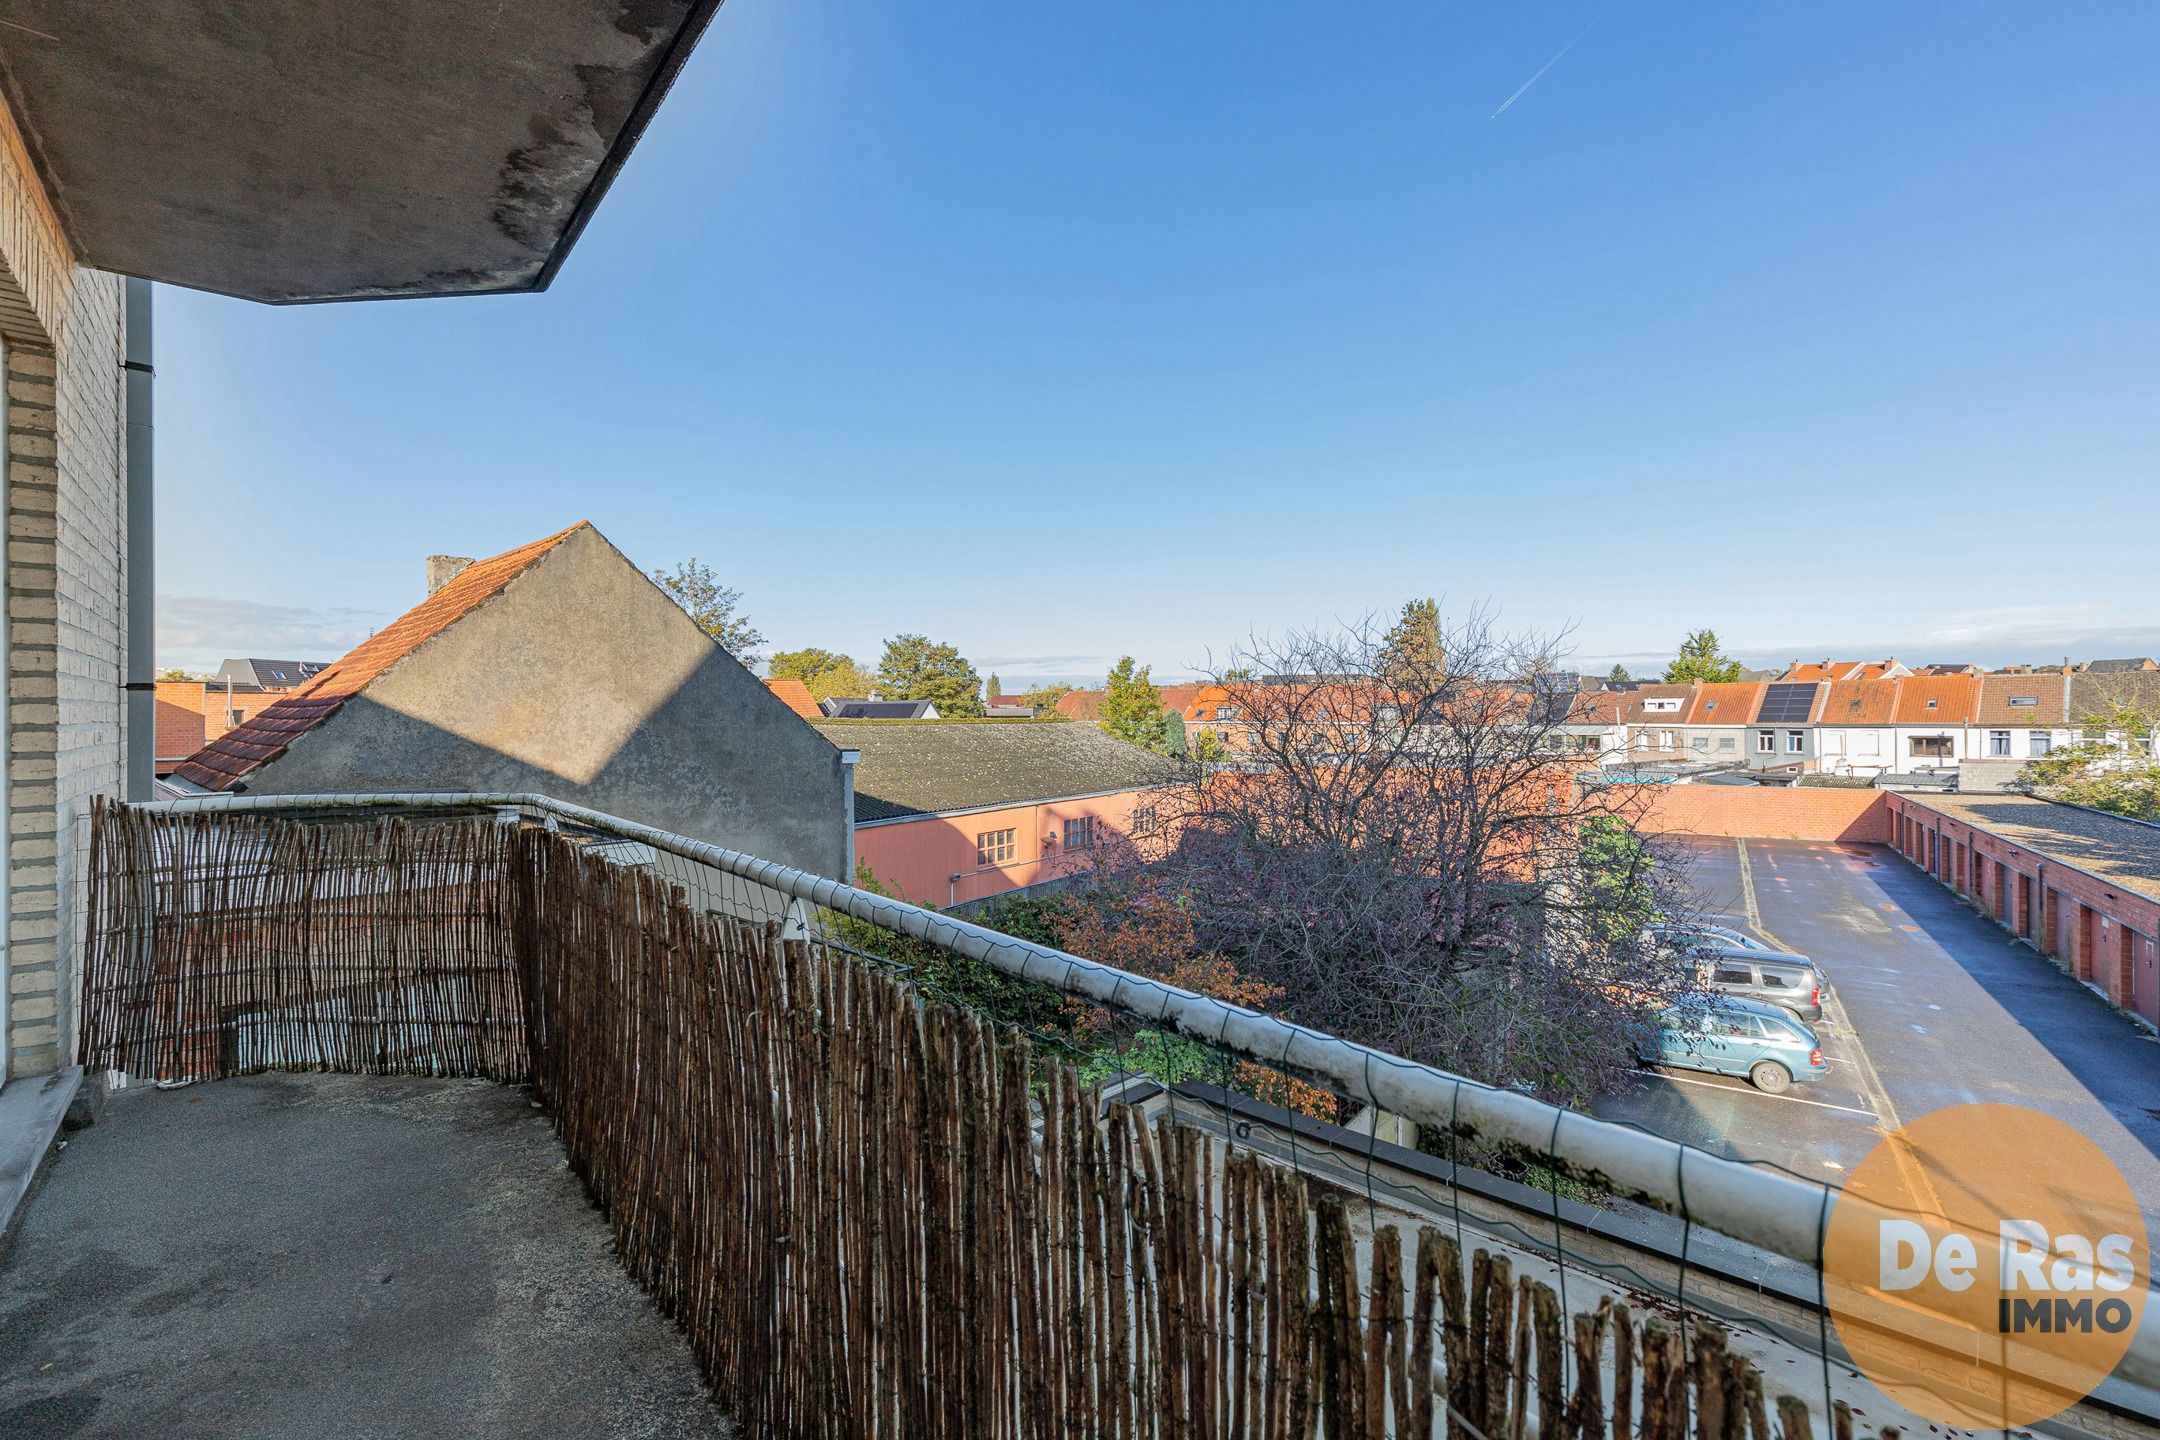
(871,1215)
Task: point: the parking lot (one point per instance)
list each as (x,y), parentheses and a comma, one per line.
(1931,1006)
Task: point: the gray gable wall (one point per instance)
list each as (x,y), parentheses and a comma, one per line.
(583,681)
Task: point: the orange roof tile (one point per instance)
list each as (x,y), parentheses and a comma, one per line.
(1860,702)
(1937,699)
(797,697)
(1596,707)
(1080,704)
(239,753)
(1725,704)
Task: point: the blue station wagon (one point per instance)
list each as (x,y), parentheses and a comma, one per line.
(1727,1036)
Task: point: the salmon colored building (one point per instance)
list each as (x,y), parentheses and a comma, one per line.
(192,713)
(949,811)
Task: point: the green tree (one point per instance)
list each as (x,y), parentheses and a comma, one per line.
(1131,705)
(1043,699)
(2111,769)
(1411,647)
(996,687)
(1700,659)
(1172,740)
(1617,867)
(1619,676)
(713,606)
(915,667)
(825,673)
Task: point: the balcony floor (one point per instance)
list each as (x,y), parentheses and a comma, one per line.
(311,1255)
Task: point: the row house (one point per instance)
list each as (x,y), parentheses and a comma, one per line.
(1869,725)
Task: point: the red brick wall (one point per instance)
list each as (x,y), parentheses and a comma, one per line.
(2077,920)
(1763,812)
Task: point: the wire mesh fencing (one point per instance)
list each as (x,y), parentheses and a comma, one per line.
(888,1187)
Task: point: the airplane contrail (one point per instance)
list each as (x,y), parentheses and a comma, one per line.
(1555,60)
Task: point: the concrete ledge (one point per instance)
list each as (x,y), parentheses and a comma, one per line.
(33,1111)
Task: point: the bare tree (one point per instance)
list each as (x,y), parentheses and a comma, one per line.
(1397,839)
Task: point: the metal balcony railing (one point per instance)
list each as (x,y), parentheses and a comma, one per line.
(620,968)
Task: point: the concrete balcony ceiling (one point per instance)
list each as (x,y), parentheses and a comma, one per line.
(287,152)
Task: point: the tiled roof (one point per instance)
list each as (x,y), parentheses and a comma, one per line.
(1087,704)
(1860,702)
(797,697)
(1080,704)
(854,709)
(1841,670)
(2106,667)
(2093,694)
(2047,694)
(239,753)
(938,766)
(271,674)
(1597,707)
(1724,704)
(1637,709)
(1955,699)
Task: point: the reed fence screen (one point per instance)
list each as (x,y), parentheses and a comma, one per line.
(870,1214)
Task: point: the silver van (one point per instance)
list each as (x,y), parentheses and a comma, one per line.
(1790,982)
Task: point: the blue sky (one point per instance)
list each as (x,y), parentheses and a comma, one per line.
(1062,332)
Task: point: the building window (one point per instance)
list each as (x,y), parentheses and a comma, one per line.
(1930,747)
(1795,742)
(1699,742)
(1664,740)
(2042,742)
(1144,820)
(994,847)
(2024,700)
(1080,833)
(1999,744)
(1229,712)
(1727,744)
(1766,742)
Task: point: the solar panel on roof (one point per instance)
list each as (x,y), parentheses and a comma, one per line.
(1787,704)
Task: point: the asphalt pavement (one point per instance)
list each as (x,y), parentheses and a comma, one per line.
(1931,1005)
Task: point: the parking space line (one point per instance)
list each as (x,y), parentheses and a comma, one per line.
(1872,1089)
(1751,1090)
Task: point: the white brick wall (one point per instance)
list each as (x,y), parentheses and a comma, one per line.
(66,596)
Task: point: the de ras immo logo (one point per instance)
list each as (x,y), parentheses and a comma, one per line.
(1986,1266)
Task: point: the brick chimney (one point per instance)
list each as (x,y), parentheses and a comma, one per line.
(442,569)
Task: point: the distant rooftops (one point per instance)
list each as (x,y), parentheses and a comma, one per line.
(797,697)
(269,674)
(908,771)
(843,707)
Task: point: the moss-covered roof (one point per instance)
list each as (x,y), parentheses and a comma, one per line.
(934,767)
(2121,851)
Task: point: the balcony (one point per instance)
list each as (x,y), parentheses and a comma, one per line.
(850,1212)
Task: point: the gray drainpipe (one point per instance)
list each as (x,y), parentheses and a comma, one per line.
(849,759)
(141,578)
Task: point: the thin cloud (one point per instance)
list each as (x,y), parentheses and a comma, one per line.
(1555,60)
(195,631)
